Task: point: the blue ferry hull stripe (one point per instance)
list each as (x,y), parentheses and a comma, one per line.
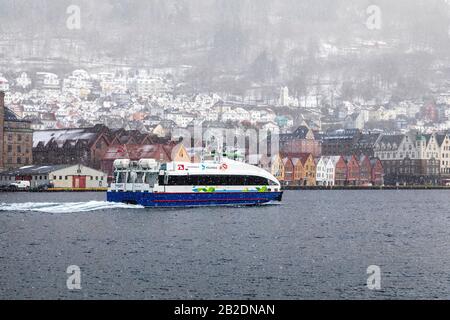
(148,199)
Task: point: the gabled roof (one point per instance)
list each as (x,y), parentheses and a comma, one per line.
(301,132)
(335,159)
(11,116)
(440,137)
(368,138)
(60,136)
(391,139)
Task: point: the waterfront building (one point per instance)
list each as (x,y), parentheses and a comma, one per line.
(16,138)
(443,140)
(57,176)
(365,177)
(340,170)
(309,170)
(71,146)
(288,166)
(321,171)
(409,159)
(277,167)
(377,172)
(353,171)
(325,172)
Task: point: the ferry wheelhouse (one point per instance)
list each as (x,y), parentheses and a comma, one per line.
(176,184)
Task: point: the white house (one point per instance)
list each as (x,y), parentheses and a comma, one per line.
(325,170)
(23,80)
(444,153)
(321,172)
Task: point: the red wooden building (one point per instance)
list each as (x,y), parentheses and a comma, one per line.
(288,171)
(340,171)
(365,177)
(353,171)
(377,172)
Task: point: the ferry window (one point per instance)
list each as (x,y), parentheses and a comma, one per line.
(132,177)
(140,177)
(216,180)
(150,178)
(120,177)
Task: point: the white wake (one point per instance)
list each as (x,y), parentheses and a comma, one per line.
(65,207)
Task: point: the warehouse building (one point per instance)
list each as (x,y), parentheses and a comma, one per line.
(57,176)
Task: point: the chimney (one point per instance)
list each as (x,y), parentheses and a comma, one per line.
(2,124)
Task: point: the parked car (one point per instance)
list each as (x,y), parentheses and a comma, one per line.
(20,185)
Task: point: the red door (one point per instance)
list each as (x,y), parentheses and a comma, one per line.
(79,182)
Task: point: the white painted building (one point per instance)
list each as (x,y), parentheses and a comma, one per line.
(325,170)
(47,81)
(57,176)
(444,153)
(23,81)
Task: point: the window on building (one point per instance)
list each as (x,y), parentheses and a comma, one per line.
(19,137)
(66,178)
(10,148)
(19,160)
(54,177)
(60,177)
(19,149)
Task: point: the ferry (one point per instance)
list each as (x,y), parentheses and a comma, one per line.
(180,184)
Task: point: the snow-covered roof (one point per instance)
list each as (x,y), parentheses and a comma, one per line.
(61,136)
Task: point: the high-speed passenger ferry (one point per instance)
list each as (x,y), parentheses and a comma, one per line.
(176,184)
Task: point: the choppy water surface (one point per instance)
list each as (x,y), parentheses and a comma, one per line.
(316,244)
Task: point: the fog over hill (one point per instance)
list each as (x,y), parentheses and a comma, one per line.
(232,44)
